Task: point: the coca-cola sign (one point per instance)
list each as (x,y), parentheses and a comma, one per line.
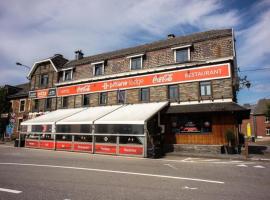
(163,78)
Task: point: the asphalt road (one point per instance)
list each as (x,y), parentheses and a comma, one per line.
(43,174)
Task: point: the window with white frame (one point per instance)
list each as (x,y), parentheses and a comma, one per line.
(267,119)
(205,88)
(98,68)
(182,54)
(44,80)
(136,61)
(173,92)
(22,105)
(67,75)
(267,131)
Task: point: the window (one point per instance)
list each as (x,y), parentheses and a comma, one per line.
(121,96)
(267,131)
(36,104)
(205,88)
(86,99)
(64,102)
(48,103)
(136,63)
(173,93)
(182,53)
(98,69)
(144,95)
(22,105)
(67,75)
(103,98)
(44,80)
(267,119)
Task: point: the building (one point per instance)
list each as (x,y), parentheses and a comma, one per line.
(258,122)
(183,87)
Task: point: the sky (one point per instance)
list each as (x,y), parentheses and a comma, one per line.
(32,30)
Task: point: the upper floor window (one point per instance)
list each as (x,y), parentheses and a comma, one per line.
(86,99)
(182,54)
(136,61)
(98,68)
(22,105)
(173,92)
(267,131)
(48,103)
(67,75)
(267,119)
(205,88)
(121,96)
(64,102)
(44,80)
(103,98)
(144,95)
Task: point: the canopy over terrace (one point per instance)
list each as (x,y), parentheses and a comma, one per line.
(132,114)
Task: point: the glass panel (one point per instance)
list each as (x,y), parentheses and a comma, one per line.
(181,55)
(131,140)
(145,94)
(105,139)
(103,98)
(119,129)
(68,75)
(64,137)
(83,138)
(46,137)
(42,128)
(173,92)
(98,69)
(205,88)
(65,102)
(121,96)
(86,99)
(74,128)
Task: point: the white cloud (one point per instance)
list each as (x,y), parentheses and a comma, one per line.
(32,30)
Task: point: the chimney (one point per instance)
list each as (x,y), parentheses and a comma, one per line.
(170,36)
(78,54)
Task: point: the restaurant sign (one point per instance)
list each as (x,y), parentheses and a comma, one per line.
(45,93)
(163,78)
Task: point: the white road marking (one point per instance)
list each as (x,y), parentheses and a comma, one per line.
(116,172)
(171,166)
(242,165)
(189,188)
(10,191)
(259,166)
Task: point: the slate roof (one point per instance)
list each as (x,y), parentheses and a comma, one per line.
(23,90)
(58,60)
(172,42)
(261,107)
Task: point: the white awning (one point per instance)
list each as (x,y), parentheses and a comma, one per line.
(52,117)
(132,114)
(89,115)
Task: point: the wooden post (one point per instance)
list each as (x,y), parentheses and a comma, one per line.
(246,148)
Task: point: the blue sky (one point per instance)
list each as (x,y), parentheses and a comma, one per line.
(32,30)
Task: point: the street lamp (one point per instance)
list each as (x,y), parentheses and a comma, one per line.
(244,82)
(20,64)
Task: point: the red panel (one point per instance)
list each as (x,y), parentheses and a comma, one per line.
(63,145)
(31,143)
(131,150)
(82,147)
(110,149)
(46,144)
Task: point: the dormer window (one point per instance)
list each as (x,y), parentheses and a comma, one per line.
(67,75)
(98,68)
(182,54)
(136,61)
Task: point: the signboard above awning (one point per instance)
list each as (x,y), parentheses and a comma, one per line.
(163,78)
(45,93)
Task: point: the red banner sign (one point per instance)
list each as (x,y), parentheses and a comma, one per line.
(82,147)
(107,149)
(46,144)
(32,143)
(130,150)
(176,76)
(63,145)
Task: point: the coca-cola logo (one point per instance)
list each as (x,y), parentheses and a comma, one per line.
(82,89)
(163,78)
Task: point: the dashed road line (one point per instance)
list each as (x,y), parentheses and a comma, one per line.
(10,191)
(242,165)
